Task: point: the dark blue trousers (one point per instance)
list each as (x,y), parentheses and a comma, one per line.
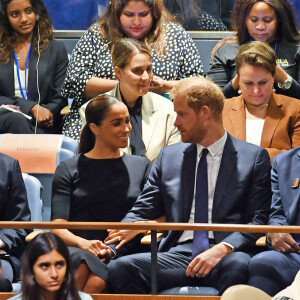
(273,271)
(131,274)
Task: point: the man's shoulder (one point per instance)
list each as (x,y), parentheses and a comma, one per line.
(6,159)
(178,148)
(287,156)
(244,148)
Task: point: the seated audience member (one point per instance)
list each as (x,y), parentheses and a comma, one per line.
(260,116)
(191,15)
(32,69)
(152,116)
(91,72)
(47,272)
(232,185)
(275,269)
(100,184)
(292,292)
(13,207)
(270,21)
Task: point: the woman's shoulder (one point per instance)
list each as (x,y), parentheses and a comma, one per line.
(16,297)
(158,102)
(92,35)
(227,49)
(84,296)
(134,160)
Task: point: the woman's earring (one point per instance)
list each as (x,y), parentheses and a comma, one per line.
(240,92)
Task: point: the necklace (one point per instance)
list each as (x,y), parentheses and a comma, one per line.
(259,107)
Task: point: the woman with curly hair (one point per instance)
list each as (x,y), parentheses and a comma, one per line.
(91,72)
(270,21)
(32,69)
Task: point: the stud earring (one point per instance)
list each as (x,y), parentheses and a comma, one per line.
(240,92)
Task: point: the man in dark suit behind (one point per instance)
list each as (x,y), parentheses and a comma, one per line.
(13,207)
(274,270)
(238,192)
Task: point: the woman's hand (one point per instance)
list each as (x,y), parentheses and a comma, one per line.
(43,116)
(95,247)
(235,82)
(161,86)
(121,236)
(280,75)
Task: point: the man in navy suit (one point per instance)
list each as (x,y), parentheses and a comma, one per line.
(274,270)
(13,207)
(238,192)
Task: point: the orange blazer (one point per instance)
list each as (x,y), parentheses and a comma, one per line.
(281,130)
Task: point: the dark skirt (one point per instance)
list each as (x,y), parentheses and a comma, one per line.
(95,265)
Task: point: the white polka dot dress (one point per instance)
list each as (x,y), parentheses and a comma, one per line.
(92,58)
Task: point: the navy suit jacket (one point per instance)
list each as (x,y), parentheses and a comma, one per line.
(52,69)
(242,193)
(285,198)
(13,207)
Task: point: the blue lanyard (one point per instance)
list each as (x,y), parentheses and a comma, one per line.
(18,72)
(275,47)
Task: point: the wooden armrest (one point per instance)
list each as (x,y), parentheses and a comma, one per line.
(33,234)
(146,240)
(65,111)
(261,242)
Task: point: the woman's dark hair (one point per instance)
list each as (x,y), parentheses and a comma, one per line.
(286,22)
(9,38)
(286,19)
(95,112)
(42,244)
(111,29)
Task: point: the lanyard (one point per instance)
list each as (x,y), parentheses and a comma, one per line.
(18,72)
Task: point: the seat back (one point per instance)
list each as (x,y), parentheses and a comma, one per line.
(34,196)
(70,144)
(46,181)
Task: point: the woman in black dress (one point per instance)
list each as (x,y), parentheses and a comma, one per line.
(99,185)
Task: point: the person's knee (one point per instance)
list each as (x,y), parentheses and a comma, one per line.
(262,262)
(119,267)
(237,261)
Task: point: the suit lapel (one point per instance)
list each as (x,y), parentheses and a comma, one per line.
(188,180)
(150,119)
(42,68)
(228,163)
(237,118)
(273,117)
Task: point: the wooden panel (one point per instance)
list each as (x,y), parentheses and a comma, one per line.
(151,297)
(4,296)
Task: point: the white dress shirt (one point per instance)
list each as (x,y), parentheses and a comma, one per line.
(214,157)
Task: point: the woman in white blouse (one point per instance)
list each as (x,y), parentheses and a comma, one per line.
(258,115)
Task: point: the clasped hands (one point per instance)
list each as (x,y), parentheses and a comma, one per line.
(97,248)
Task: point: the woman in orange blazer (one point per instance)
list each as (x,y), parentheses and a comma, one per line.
(258,115)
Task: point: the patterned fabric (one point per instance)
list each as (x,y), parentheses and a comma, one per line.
(207,22)
(91,58)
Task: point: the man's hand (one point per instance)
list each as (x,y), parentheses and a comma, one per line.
(43,116)
(283,242)
(203,263)
(95,247)
(122,236)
